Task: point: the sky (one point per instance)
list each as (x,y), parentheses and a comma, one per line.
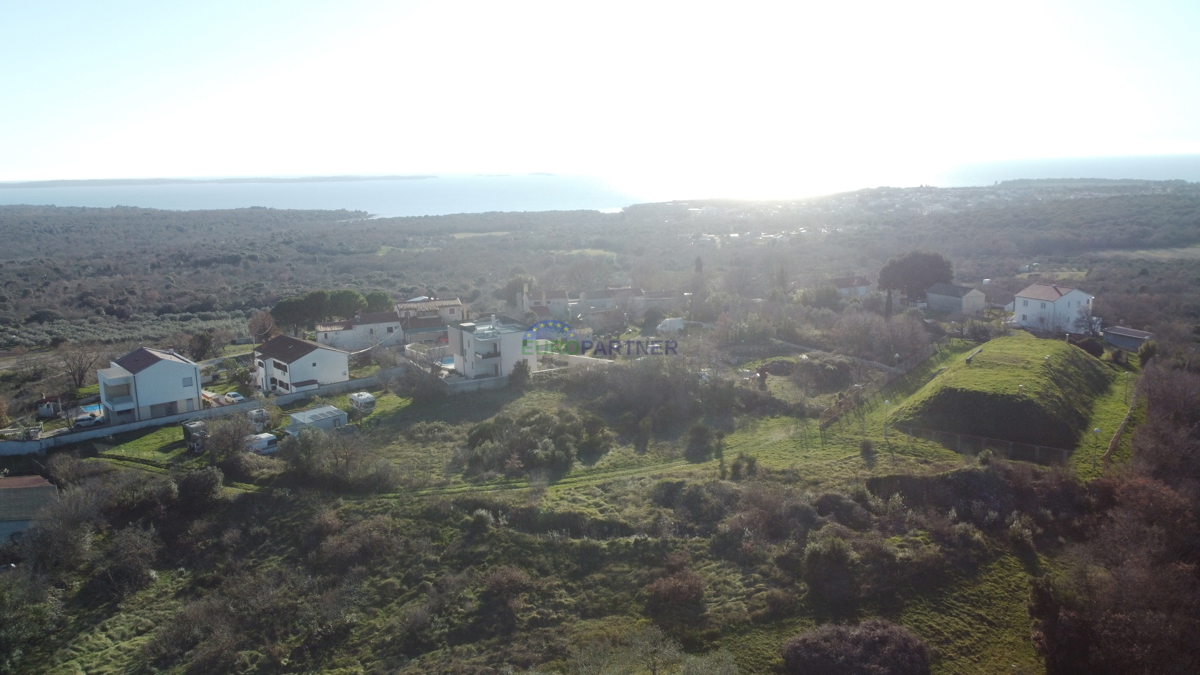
(741,99)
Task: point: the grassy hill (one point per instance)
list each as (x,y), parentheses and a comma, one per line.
(1012,391)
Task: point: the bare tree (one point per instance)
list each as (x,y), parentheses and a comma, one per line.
(652,650)
(262,326)
(79,360)
(226,437)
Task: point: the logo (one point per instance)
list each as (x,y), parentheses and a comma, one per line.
(557,337)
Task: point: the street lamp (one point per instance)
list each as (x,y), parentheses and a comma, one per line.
(1020,389)
(1095,445)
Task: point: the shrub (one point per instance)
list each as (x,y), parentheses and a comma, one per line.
(30,611)
(200,488)
(679,595)
(519,377)
(1092,346)
(1147,351)
(831,569)
(700,442)
(874,647)
(127,564)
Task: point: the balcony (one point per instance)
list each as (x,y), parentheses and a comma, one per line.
(120,403)
(489,355)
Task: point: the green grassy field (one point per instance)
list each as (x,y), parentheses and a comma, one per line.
(974,619)
(1017,388)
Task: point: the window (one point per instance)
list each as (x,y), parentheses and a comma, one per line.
(187,382)
(314,364)
(327,336)
(279,366)
(452,310)
(370,331)
(390,329)
(1024,303)
(1043,305)
(1024,318)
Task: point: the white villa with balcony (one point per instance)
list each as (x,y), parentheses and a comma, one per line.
(285,365)
(489,348)
(148,383)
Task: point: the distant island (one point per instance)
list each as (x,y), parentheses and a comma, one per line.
(122,182)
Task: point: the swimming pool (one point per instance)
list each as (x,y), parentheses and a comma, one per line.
(89,409)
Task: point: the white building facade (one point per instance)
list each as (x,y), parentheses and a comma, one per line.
(148,383)
(490,348)
(285,365)
(378,329)
(1050,307)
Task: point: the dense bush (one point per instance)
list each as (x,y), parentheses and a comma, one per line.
(874,647)
(536,441)
(831,569)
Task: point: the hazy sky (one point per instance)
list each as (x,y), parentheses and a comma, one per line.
(711,99)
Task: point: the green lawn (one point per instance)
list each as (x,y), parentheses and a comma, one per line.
(160,446)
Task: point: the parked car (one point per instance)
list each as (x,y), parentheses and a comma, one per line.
(87,421)
(234,397)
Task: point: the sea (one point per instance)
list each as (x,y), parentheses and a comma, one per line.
(380,197)
(446,194)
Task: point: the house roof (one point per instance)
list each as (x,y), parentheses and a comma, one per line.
(1129,332)
(314,414)
(287,349)
(850,282)
(1046,292)
(426,304)
(540,310)
(362,320)
(662,294)
(21,497)
(949,290)
(421,323)
(143,357)
(553,295)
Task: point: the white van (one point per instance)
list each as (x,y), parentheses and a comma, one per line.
(671,325)
(263,444)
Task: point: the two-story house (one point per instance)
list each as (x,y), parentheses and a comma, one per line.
(1049,307)
(364,331)
(148,383)
(490,348)
(285,365)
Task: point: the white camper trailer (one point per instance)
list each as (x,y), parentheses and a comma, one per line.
(362,402)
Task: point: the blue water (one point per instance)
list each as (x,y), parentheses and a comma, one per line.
(448,361)
(438,195)
(1159,167)
(89,409)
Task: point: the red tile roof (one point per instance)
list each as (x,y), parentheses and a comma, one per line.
(12,482)
(1046,292)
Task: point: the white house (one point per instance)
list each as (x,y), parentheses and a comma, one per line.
(449,310)
(285,365)
(376,329)
(1048,307)
(148,383)
(490,348)
(849,287)
(955,299)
